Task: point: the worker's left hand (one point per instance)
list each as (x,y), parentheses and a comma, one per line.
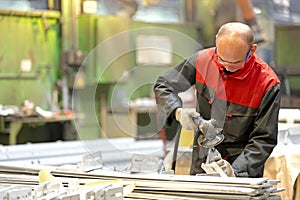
(224,165)
(185,117)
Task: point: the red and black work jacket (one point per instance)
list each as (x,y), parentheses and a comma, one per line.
(245,104)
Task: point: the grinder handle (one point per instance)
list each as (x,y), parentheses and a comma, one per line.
(207,127)
(198,120)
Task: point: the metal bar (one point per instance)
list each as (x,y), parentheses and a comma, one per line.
(44,14)
(249,182)
(114,151)
(103,114)
(75,11)
(174,186)
(19,76)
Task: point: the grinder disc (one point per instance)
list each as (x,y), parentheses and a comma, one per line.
(211,143)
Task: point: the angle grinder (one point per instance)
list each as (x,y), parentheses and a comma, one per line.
(212,135)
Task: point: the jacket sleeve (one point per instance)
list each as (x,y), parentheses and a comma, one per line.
(168,85)
(263,138)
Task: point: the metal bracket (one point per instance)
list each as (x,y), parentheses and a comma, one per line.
(24,193)
(3,192)
(213,168)
(114,193)
(40,190)
(146,164)
(96,193)
(48,190)
(92,161)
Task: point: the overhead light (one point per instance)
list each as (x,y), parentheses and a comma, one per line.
(150,2)
(257,10)
(90,7)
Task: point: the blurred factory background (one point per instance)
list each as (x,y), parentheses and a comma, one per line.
(81,72)
(64,57)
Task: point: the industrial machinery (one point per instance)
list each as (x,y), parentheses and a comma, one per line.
(58,55)
(64,39)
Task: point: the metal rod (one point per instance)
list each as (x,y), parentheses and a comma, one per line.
(75,11)
(103,114)
(19,76)
(45,14)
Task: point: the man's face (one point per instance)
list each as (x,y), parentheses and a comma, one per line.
(232,55)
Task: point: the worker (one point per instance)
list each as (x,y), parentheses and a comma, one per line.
(237,89)
(250,18)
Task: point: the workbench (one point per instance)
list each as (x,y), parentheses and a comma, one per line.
(12,125)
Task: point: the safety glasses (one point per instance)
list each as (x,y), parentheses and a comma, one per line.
(235,65)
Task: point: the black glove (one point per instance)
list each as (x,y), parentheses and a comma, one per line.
(224,165)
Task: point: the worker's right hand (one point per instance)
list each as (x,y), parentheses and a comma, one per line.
(224,165)
(185,117)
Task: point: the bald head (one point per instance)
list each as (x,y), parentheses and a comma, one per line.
(236,31)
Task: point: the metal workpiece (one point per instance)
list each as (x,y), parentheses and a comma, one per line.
(96,193)
(109,185)
(146,164)
(114,152)
(92,161)
(100,192)
(47,191)
(19,193)
(72,189)
(4,190)
(113,193)
(212,168)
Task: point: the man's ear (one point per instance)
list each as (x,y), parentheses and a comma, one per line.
(253,49)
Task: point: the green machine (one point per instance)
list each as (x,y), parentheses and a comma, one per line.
(29,56)
(29,66)
(99,63)
(115,72)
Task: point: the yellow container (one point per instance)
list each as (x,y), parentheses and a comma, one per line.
(186,138)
